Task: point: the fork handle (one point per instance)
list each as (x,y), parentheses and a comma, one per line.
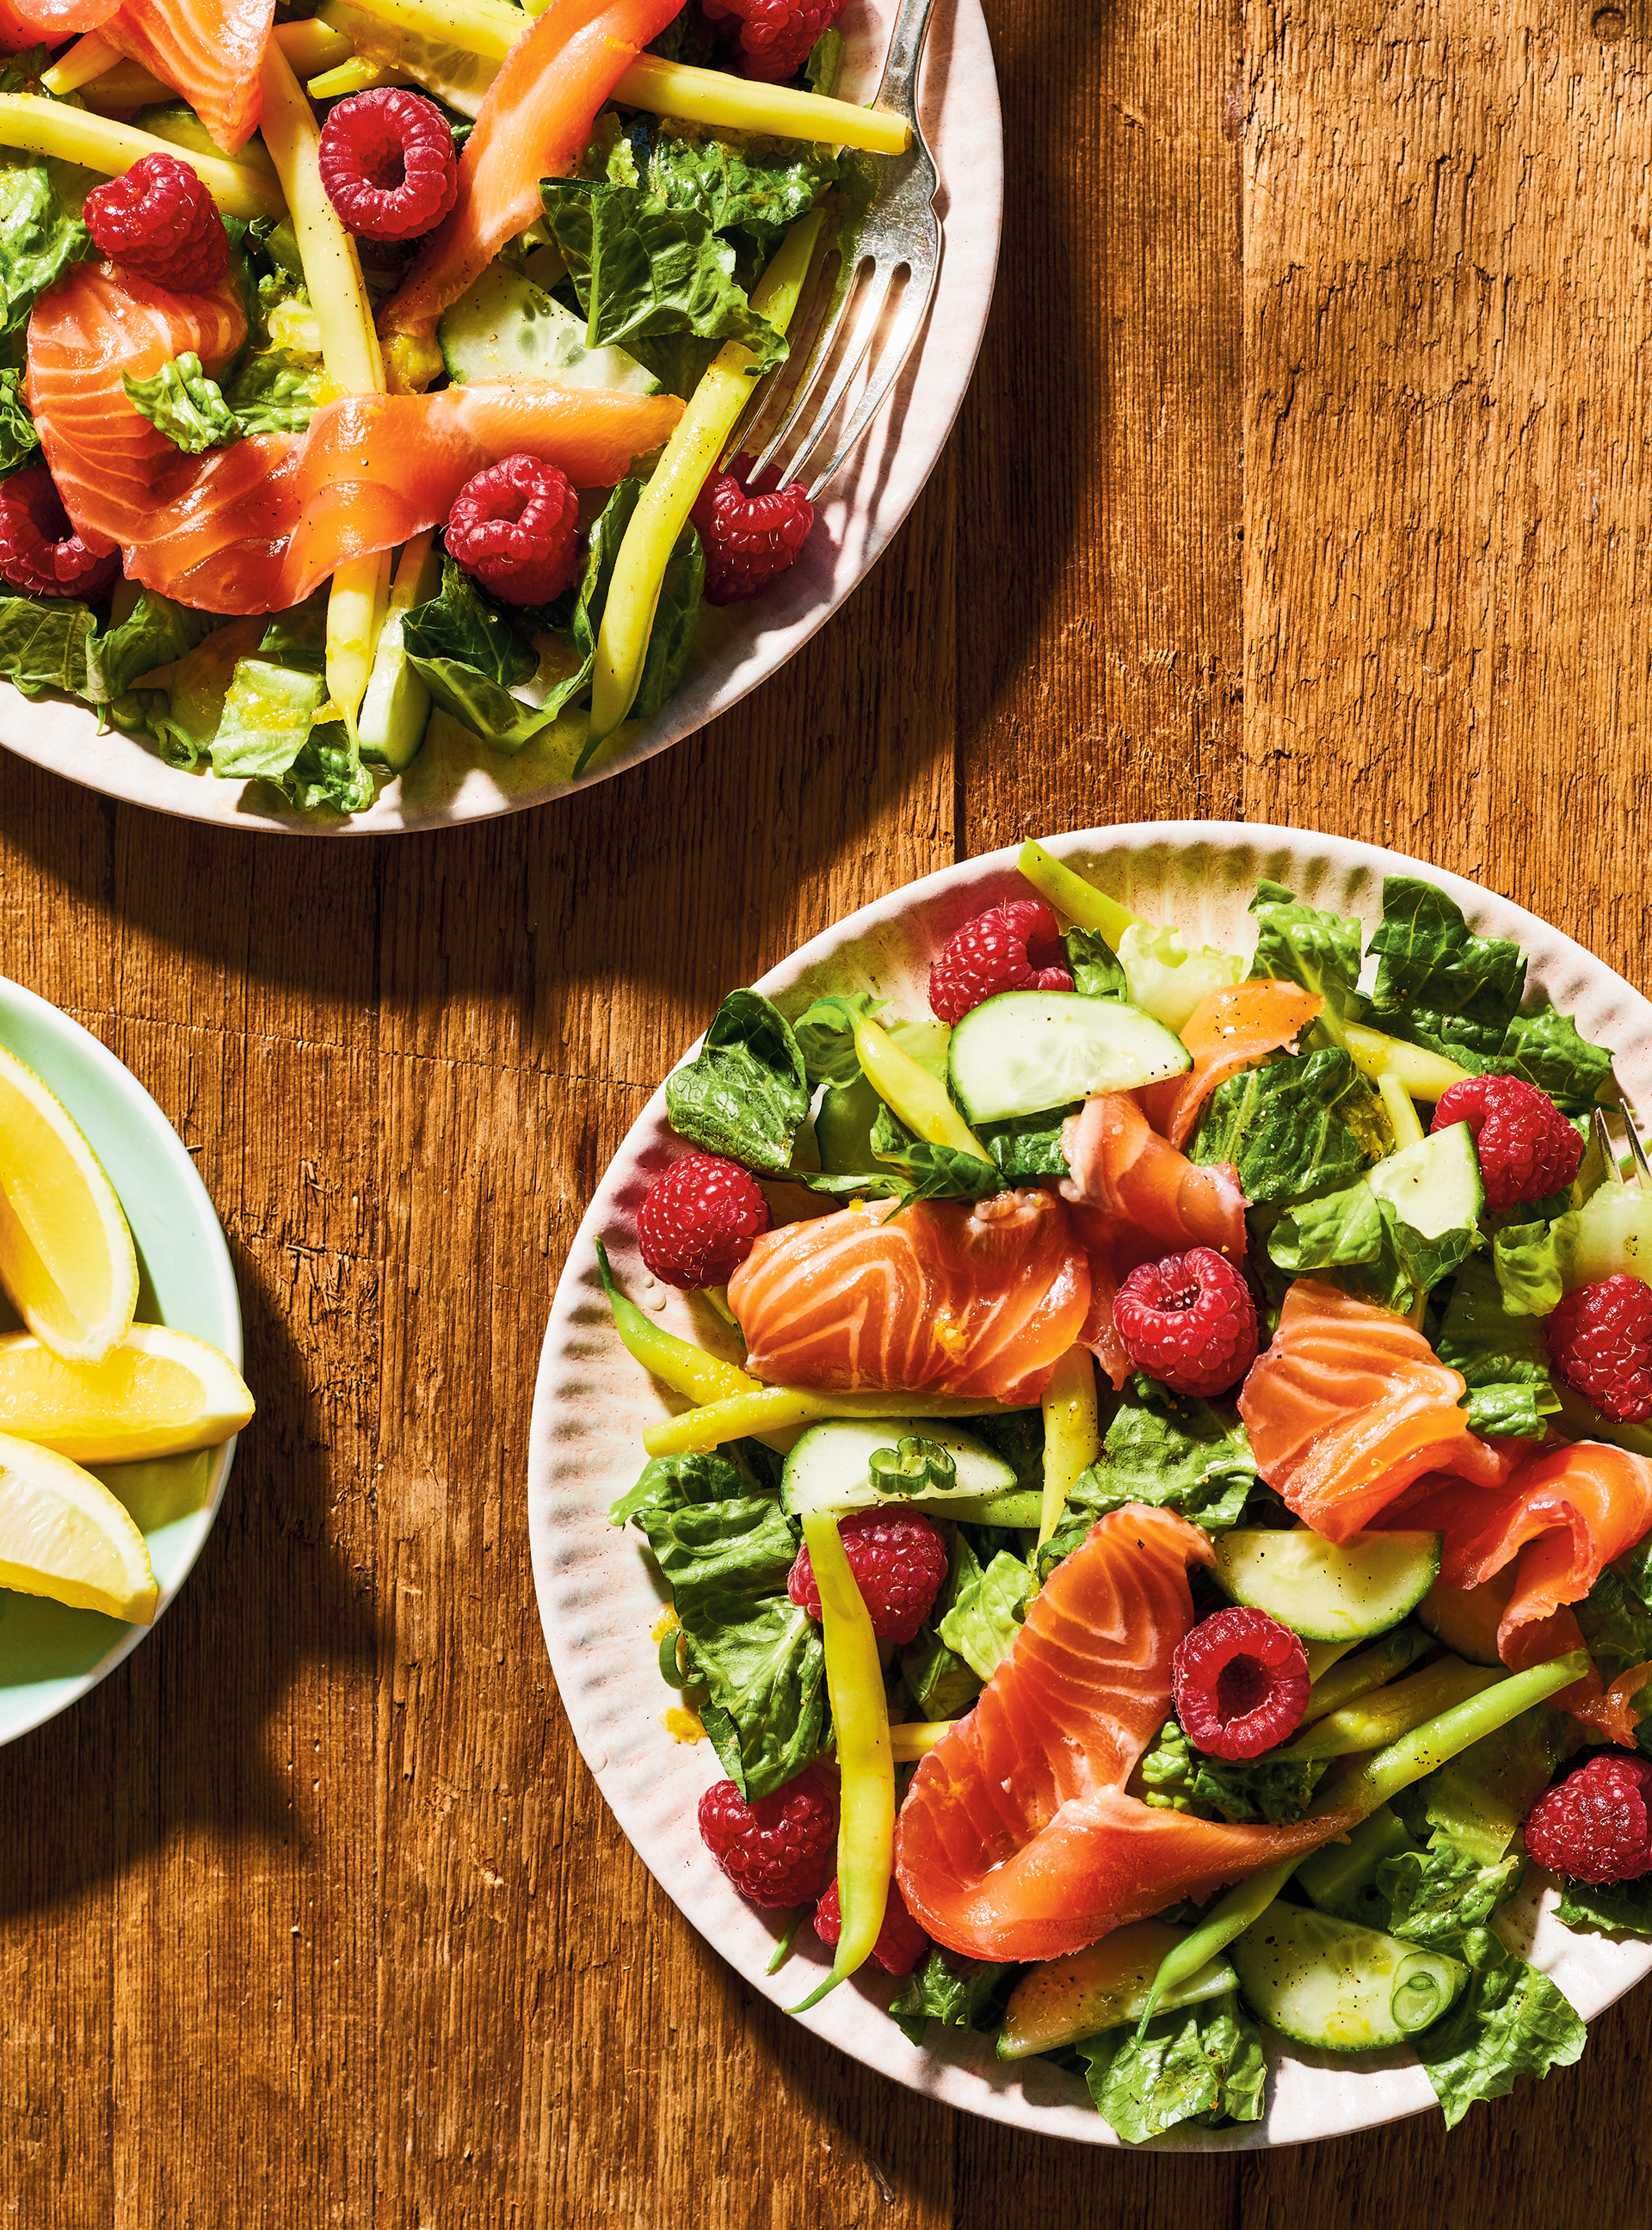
(898,88)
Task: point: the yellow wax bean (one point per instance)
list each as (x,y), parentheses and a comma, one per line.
(865,1756)
(355,74)
(1402,1114)
(1072,1434)
(1078,900)
(74,135)
(87,58)
(357,602)
(915,1738)
(662,508)
(738,104)
(182,127)
(311,46)
(774,1408)
(1425,1075)
(675,1362)
(480,27)
(908,1089)
(129,86)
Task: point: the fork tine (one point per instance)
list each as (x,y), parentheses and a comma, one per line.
(1637,1151)
(914,304)
(869,300)
(1608,1152)
(768,387)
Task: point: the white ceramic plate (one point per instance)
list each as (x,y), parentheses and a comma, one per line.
(50,1655)
(598,1601)
(740,646)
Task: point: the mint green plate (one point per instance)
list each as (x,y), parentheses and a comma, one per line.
(49,1655)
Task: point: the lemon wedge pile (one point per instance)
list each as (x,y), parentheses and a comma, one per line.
(84,1384)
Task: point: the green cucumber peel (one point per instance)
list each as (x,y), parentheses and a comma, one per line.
(1362,1792)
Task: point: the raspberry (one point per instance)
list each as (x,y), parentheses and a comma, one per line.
(1527,1148)
(901,1944)
(1242,1683)
(1596,1826)
(388,163)
(898,1561)
(40,552)
(780,1850)
(748,538)
(776,36)
(516,528)
(996,952)
(1601,1339)
(1188,1321)
(696,1225)
(160,222)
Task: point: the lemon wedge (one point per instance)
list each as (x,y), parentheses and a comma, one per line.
(67,1260)
(156,1393)
(62,1534)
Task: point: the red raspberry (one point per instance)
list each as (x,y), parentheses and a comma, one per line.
(40,552)
(898,1561)
(1188,1321)
(776,36)
(697,1222)
(1596,1826)
(388,163)
(901,1944)
(748,538)
(1601,1339)
(515,527)
(780,1850)
(1242,1683)
(160,222)
(1012,947)
(1527,1148)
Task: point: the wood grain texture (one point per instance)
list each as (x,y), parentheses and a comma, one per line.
(1303,477)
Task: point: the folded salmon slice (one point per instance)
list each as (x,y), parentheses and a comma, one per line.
(256,526)
(211,50)
(535,122)
(940,1296)
(1349,1406)
(1228,1032)
(1121,1166)
(48,22)
(1016,1840)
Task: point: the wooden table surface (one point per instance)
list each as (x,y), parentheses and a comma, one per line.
(1304,478)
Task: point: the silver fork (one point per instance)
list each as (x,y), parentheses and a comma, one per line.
(1609,1153)
(899,232)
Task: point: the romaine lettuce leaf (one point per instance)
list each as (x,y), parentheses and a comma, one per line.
(1093,965)
(267,718)
(941,1683)
(825,60)
(1028,1147)
(1504,1359)
(18,440)
(735,181)
(1203,2063)
(275,390)
(746,1093)
(1511,2021)
(986,1616)
(1359,1235)
(1177,1778)
(958,1993)
(1305,944)
(43,644)
(328,775)
(1546,1048)
(1616,1623)
(675,1482)
(825,1032)
(1298,1125)
(1435,1894)
(182,403)
(38,239)
(1526,1260)
(1176,1451)
(1614,1908)
(1437,984)
(155,633)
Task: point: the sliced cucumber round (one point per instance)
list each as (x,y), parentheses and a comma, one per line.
(1027,1051)
(1326,1982)
(1436,1184)
(1102,1987)
(830,1465)
(1328,1590)
(508,328)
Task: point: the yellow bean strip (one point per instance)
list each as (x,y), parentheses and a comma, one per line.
(1072,1434)
(908,1089)
(915,1738)
(355,74)
(349,351)
(87,58)
(662,508)
(775,1406)
(311,45)
(73,135)
(865,1756)
(1072,895)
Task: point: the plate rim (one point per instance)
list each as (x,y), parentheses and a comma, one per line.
(217,1258)
(251,806)
(838,2019)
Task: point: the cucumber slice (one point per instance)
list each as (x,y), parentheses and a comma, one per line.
(829,1468)
(1328,1590)
(508,328)
(1434,1185)
(396,705)
(1326,1982)
(1026,1051)
(1102,1987)
(1338,1875)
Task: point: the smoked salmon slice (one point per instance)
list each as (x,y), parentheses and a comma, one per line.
(211,50)
(1230,1031)
(1016,1840)
(1119,1165)
(946,1296)
(1349,1406)
(535,122)
(48,22)
(256,526)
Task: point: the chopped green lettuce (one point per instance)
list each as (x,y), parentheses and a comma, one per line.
(183,404)
(1437,984)
(1546,1048)
(39,240)
(908,1168)
(1026,1148)
(1203,2063)
(746,1093)
(1526,1259)
(1179,1453)
(1166,979)
(1511,2021)
(267,719)
(18,440)
(43,645)
(825,60)
(740,182)
(275,390)
(986,1616)
(1093,965)
(1298,1125)
(825,1032)
(958,1993)
(1359,1235)
(1504,1359)
(1300,944)
(1615,1623)
(1177,1778)
(1614,1908)
(941,1682)
(1435,1894)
